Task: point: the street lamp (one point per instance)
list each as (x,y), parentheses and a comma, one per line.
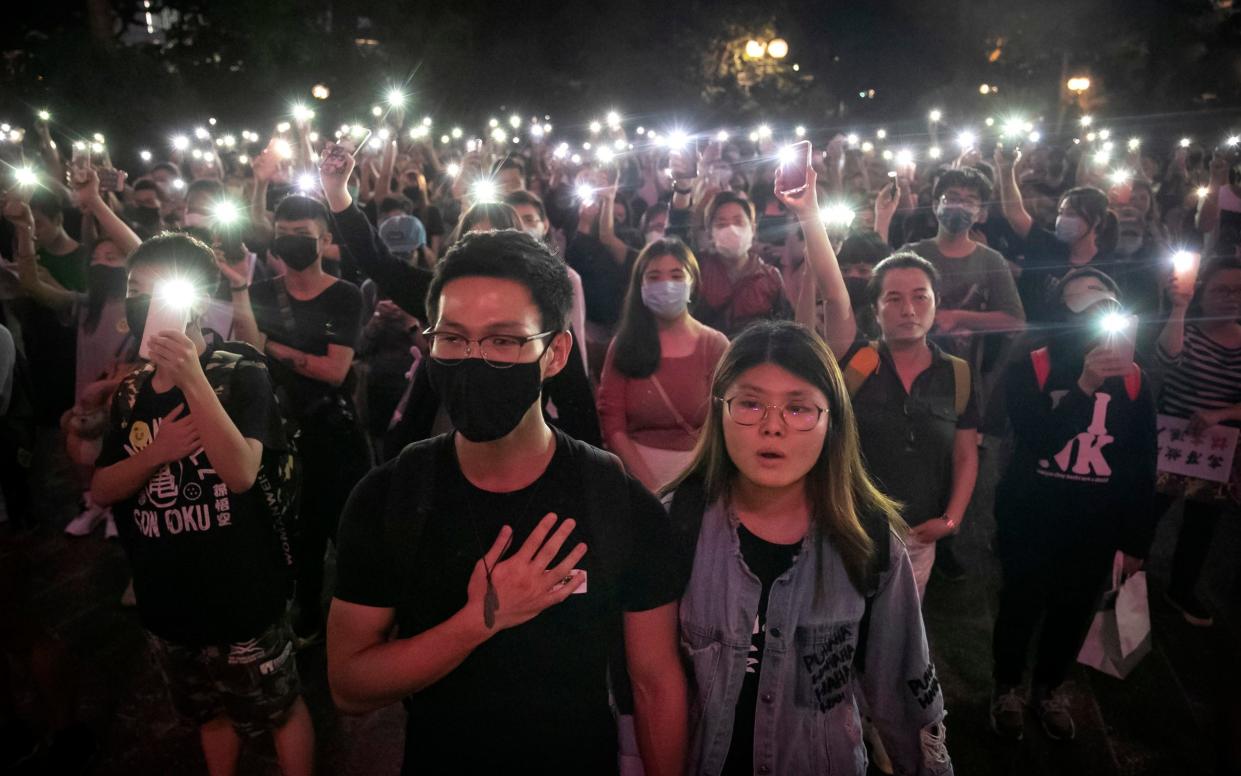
(755,49)
(1078,84)
(778,48)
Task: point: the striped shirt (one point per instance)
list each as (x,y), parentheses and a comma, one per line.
(1205,376)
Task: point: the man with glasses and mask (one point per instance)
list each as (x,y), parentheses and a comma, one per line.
(977,293)
(513,560)
(308,322)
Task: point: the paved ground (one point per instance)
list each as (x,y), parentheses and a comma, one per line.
(1161,720)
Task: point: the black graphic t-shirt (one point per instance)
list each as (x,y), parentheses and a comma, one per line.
(536,694)
(767,561)
(334,317)
(207,567)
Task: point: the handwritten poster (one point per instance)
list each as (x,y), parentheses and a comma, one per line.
(1207,456)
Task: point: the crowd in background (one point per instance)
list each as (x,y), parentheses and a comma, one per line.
(1046,300)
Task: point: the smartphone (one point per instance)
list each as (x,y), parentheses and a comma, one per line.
(1124,342)
(896,189)
(162,316)
(793,168)
(721,175)
(111,180)
(334,157)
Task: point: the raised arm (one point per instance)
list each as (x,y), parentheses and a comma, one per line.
(86,185)
(1011,204)
(841,327)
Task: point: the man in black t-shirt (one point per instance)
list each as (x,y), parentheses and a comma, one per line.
(178,466)
(512,589)
(308,323)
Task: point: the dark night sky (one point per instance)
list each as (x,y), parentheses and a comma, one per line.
(241,60)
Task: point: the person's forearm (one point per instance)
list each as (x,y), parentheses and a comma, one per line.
(624,448)
(964,473)
(838,312)
(992,320)
(661,723)
(233,459)
(405,284)
(245,327)
(122,479)
(258,202)
(383,186)
(1011,204)
(1208,211)
(385,673)
(1172,338)
(325,369)
(112,225)
(883,224)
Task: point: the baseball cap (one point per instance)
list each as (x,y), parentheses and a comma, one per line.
(402,234)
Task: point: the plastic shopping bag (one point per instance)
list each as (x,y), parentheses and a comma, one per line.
(1120,635)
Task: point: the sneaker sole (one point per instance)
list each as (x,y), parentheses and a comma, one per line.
(995,728)
(1192,619)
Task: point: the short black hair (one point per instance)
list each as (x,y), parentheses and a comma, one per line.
(508,254)
(396,202)
(186,256)
(49,202)
(863,248)
(146,184)
(901,260)
(963,178)
(208,186)
(524,197)
(726,197)
(509,162)
(166,167)
(299,207)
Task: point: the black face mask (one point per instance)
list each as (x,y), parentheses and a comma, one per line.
(857,291)
(485,403)
(136,309)
(295,250)
(148,218)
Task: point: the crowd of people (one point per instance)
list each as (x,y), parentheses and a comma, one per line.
(418,353)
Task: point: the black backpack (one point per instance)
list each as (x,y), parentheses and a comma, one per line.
(280,473)
(689,502)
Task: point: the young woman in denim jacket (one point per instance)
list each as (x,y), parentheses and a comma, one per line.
(801,605)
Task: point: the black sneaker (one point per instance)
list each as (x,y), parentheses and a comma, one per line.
(946,564)
(1193,610)
(1008,714)
(1053,712)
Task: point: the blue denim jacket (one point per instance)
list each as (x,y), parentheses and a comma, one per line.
(807,720)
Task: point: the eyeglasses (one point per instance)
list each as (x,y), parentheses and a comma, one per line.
(749,412)
(1224,292)
(497,350)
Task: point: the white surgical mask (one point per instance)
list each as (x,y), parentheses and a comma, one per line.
(733,242)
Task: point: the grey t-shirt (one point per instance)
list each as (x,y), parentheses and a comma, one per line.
(980,281)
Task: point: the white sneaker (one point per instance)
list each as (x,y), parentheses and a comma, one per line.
(85,523)
(109,529)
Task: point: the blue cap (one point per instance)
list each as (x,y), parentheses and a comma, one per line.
(402,234)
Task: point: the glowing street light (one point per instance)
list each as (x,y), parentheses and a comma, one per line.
(755,49)
(936,116)
(1078,84)
(778,48)
(320,91)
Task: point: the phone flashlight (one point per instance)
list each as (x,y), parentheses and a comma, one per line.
(1185,263)
(396,98)
(169,311)
(484,191)
(837,215)
(45,115)
(25,176)
(585,193)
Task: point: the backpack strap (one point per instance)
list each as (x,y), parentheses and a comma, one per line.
(1042,368)
(960,383)
(1133,382)
(689,503)
(1041,361)
(861,365)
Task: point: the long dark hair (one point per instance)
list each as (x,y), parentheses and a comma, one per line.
(637,351)
(838,487)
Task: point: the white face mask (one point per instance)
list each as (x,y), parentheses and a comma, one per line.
(536,232)
(733,242)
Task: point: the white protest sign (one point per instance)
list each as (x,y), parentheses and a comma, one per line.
(1207,456)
